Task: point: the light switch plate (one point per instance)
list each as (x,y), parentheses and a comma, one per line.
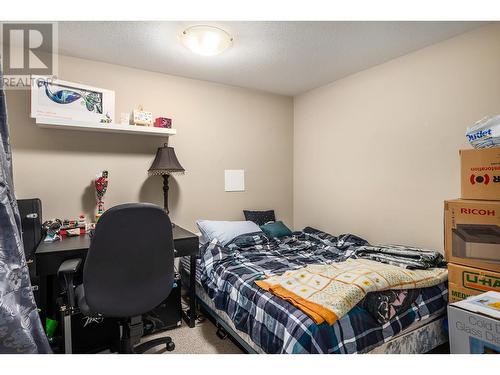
(234,180)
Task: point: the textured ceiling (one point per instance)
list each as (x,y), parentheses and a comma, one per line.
(280,57)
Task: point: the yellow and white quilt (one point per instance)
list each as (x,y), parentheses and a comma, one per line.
(328,292)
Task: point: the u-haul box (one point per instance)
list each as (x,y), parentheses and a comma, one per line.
(464,281)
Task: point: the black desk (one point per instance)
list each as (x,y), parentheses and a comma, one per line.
(50,255)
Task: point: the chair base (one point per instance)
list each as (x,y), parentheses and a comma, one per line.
(132,330)
(144,347)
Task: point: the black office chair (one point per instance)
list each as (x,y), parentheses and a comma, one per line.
(129,270)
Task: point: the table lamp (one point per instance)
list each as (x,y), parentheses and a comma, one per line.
(165,164)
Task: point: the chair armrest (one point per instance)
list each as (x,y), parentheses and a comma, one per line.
(70,266)
(67,269)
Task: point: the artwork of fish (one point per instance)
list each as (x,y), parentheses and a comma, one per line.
(66,95)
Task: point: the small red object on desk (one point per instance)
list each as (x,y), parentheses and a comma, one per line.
(64,232)
(163,122)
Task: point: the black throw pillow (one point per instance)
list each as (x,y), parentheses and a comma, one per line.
(259,217)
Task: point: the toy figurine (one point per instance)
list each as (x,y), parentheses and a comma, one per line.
(101,185)
(107,119)
(82,221)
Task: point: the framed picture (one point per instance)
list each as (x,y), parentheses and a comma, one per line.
(63,100)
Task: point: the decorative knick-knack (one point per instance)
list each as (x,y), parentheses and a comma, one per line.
(101,185)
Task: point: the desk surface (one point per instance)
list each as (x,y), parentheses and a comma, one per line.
(83,242)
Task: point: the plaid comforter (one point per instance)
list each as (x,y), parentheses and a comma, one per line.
(228,275)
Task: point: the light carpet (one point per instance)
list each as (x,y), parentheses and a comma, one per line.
(198,340)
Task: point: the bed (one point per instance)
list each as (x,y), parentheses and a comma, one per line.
(263,323)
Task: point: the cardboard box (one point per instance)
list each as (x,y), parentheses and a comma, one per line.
(480,173)
(474,325)
(472,233)
(464,282)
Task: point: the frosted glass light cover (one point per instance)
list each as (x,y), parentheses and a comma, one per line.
(206,40)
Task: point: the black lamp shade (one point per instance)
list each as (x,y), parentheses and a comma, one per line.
(165,162)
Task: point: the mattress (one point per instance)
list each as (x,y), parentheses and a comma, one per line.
(269,324)
(420,337)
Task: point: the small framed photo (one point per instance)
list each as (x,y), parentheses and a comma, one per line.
(71,101)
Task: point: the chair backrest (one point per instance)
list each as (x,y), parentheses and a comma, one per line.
(129,268)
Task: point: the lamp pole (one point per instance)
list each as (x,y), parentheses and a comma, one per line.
(165,192)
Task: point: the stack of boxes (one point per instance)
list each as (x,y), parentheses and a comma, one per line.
(472,226)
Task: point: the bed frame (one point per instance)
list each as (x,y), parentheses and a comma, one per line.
(227,328)
(420,337)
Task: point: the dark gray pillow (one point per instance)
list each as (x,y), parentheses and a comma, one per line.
(259,217)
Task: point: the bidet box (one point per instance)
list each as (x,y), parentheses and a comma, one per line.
(472,233)
(480,173)
(474,325)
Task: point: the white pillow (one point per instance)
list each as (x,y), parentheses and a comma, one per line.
(225,231)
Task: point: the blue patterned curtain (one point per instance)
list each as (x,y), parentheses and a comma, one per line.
(20,327)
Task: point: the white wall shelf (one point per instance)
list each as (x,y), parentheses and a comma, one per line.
(50,123)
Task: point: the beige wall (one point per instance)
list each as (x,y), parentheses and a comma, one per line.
(376,153)
(219,127)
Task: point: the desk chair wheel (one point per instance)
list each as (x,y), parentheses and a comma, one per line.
(170,346)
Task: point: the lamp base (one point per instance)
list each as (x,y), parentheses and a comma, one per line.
(165,195)
(165,192)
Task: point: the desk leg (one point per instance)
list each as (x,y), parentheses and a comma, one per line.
(42,296)
(192,292)
(190,317)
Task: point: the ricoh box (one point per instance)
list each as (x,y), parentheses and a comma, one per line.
(474,325)
(480,174)
(472,233)
(464,282)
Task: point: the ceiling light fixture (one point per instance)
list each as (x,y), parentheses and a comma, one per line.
(206,40)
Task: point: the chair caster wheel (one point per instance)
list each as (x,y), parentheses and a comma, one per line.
(170,346)
(221,333)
